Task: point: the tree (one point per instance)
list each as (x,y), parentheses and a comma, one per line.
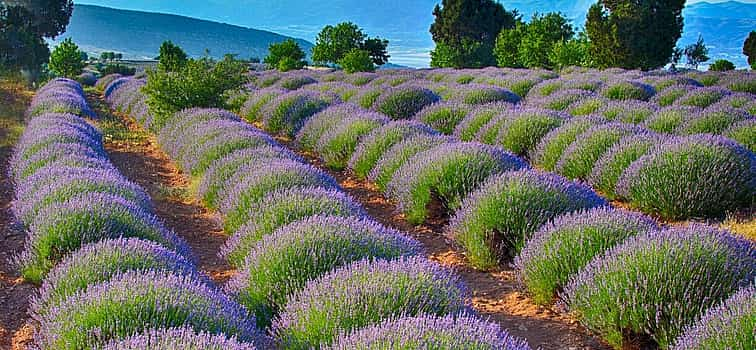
(696,53)
(334,42)
(67,60)
(24,25)
(634,34)
(749,49)
(357,60)
(465,32)
(573,52)
(506,49)
(722,66)
(540,36)
(677,54)
(172,58)
(289,50)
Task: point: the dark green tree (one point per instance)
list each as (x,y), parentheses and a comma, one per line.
(24,25)
(465,32)
(172,58)
(357,60)
(289,50)
(541,34)
(334,42)
(749,49)
(722,65)
(696,53)
(573,52)
(67,60)
(634,34)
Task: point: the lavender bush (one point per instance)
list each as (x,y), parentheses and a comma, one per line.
(405,101)
(180,338)
(667,120)
(695,176)
(494,222)
(477,118)
(632,112)
(287,113)
(431,332)
(363,294)
(256,100)
(743,132)
(561,248)
(578,159)
(702,97)
(656,283)
(552,145)
(399,154)
(628,90)
(443,116)
(608,169)
(336,146)
(478,94)
(525,129)
(323,121)
(280,265)
(712,121)
(447,172)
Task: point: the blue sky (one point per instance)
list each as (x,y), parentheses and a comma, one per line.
(404,22)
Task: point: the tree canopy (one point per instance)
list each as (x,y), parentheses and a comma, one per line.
(634,34)
(172,57)
(67,60)
(287,51)
(334,42)
(749,49)
(531,44)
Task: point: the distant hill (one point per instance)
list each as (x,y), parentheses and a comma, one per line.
(138,35)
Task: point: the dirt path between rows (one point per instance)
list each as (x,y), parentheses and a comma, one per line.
(136,154)
(494,294)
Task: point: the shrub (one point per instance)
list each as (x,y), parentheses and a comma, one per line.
(729,325)
(494,222)
(105,80)
(64,227)
(357,60)
(744,132)
(742,83)
(364,293)
(446,173)
(323,121)
(216,179)
(99,262)
(192,140)
(628,90)
(560,249)
(67,60)
(403,102)
(178,338)
(562,100)
(431,332)
(667,120)
(669,96)
(608,169)
(399,154)
(587,106)
(478,117)
(57,155)
(257,182)
(294,82)
(281,208)
(336,146)
(280,265)
(578,159)
(631,112)
(367,96)
(443,116)
(87,78)
(134,302)
(654,284)
(712,121)
(525,128)
(476,94)
(118,69)
(196,160)
(31,143)
(722,65)
(702,97)
(695,176)
(173,136)
(256,101)
(63,188)
(373,146)
(285,56)
(287,113)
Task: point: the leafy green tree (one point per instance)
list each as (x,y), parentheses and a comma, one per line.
(334,42)
(67,60)
(289,50)
(198,83)
(24,25)
(573,52)
(722,66)
(696,53)
(506,49)
(539,38)
(357,60)
(749,49)
(465,32)
(172,58)
(634,34)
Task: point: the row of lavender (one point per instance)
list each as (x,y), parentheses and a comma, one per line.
(562,235)
(562,126)
(315,270)
(111,274)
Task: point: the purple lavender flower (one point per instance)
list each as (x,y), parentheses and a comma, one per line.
(669,119)
(403,102)
(56,155)
(478,117)
(703,97)
(713,120)
(608,169)
(628,90)
(285,260)
(443,116)
(694,176)
(364,293)
(656,283)
(560,100)
(181,338)
(448,171)
(743,132)
(477,94)
(562,247)
(137,301)
(336,145)
(462,331)
(631,111)
(287,113)
(578,159)
(323,121)
(396,156)
(729,325)
(257,99)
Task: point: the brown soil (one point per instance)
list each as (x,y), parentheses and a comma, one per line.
(136,154)
(495,294)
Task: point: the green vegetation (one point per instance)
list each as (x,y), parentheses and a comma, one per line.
(67,60)
(335,43)
(172,58)
(531,44)
(285,56)
(722,66)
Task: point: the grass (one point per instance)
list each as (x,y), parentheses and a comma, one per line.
(114,129)
(14,99)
